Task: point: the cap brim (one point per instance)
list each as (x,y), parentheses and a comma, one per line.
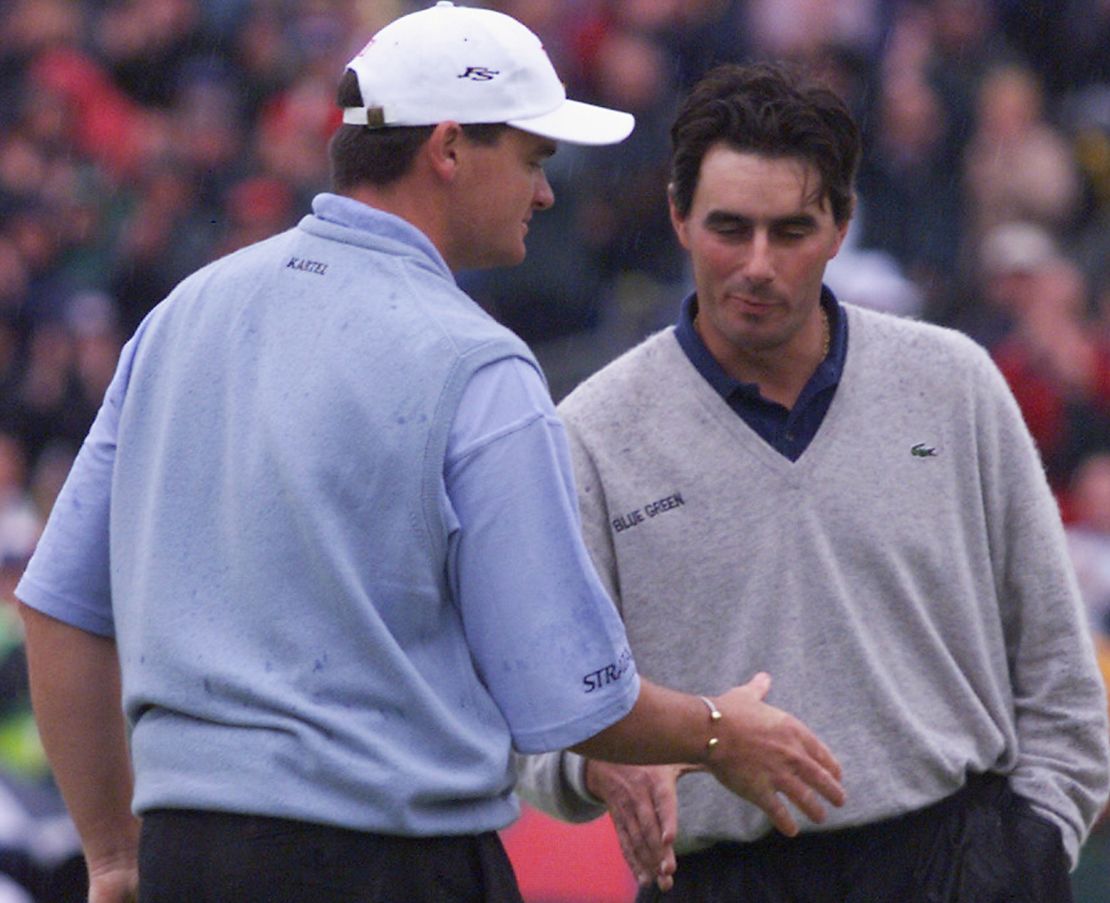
(579,123)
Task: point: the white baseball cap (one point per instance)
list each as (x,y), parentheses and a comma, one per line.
(453,63)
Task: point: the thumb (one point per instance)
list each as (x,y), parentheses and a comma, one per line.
(760,685)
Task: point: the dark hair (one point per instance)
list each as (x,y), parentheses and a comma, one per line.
(770,110)
(377,156)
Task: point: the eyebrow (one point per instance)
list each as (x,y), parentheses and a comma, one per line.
(716,218)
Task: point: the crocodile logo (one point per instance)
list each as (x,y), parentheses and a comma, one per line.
(921,450)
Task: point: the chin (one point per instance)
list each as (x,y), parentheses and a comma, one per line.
(493,259)
(512,258)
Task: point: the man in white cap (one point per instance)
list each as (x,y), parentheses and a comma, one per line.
(323,536)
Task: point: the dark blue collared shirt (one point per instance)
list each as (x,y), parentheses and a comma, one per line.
(788,431)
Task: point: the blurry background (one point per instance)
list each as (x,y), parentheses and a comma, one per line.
(140,139)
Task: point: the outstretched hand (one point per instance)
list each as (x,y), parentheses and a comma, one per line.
(765,754)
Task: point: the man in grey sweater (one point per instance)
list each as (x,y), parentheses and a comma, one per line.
(852,504)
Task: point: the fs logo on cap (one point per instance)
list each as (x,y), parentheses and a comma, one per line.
(479,73)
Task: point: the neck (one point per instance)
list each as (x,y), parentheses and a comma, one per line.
(416,207)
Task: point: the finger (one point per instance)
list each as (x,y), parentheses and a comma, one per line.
(653,825)
(638,856)
(642,873)
(829,787)
(665,799)
(824,782)
(638,824)
(664,874)
(822,754)
(804,798)
(780,816)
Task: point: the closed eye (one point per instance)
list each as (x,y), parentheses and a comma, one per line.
(794,228)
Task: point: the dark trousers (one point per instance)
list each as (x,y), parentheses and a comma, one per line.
(983,844)
(210,857)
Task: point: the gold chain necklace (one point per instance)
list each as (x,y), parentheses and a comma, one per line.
(827,332)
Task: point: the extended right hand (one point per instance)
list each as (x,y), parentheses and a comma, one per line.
(764,752)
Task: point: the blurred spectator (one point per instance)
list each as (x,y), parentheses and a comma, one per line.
(206,132)
(48,474)
(1089,536)
(20,523)
(624,191)
(798,29)
(93,326)
(163,236)
(1101,292)
(1086,115)
(104,124)
(1089,543)
(14,285)
(261,57)
(40,860)
(28,28)
(293,131)
(853,74)
(1067,41)
(37,238)
(10,365)
(964,43)
(69,362)
(255,208)
(146,42)
(911,194)
(707,32)
(1019,166)
(44,392)
(1059,369)
(1005,264)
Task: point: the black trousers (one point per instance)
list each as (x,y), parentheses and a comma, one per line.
(188,856)
(983,844)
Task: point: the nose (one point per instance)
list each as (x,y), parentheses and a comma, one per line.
(543,197)
(760,266)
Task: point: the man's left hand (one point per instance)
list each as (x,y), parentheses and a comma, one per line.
(643,804)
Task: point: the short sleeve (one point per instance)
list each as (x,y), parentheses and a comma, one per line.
(68,577)
(545,637)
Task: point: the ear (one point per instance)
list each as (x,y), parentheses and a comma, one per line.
(677,220)
(842,228)
(841,232)
(442,149)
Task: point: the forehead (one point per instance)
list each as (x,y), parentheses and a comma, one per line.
(750,183)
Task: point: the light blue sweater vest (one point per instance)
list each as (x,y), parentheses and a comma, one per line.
(298,653)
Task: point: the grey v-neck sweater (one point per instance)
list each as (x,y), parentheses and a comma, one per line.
(905,582)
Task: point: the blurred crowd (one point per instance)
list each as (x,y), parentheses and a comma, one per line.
(140,139)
